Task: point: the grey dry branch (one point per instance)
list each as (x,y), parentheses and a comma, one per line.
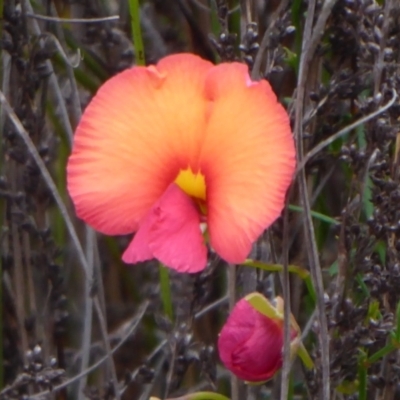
(49,182)
(134,325)
(325,143)
(73,20)
(311,38)
(52,187)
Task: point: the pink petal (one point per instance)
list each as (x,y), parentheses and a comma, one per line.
(138,249)
(171,233)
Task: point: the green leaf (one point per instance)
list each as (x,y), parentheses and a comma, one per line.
(334,268)
(380,248)
(373,310)
(348,387)
(291,58)
(363,286)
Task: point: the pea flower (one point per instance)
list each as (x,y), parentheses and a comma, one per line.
(165,150)
(251,342)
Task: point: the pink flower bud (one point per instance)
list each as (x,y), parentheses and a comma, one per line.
(251,343)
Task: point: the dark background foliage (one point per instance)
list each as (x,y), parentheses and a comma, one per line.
(68,300)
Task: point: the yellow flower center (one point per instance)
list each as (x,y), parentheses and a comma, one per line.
(194,185)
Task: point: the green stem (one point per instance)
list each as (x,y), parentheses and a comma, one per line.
(165,287)
(362,382)
(134,9)
(214,19)
(305,357)
(1,17)
(294,269)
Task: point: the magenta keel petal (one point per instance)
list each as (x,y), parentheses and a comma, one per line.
(138,249)
(171,233)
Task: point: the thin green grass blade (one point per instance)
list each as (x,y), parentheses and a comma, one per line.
(362,381)
(1,330)
(1,267)
(397,333)
(389,348)
(134,8)
(165,291)
(316,215)
(207,396)
(137,31)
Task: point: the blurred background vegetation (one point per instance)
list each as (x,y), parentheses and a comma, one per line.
(69,303)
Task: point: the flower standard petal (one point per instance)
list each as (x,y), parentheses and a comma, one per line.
(171,233)
(141,128)
(248,157)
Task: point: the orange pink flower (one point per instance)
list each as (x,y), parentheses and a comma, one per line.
(164,149)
